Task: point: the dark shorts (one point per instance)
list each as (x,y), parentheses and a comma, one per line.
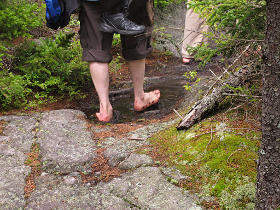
(97,45)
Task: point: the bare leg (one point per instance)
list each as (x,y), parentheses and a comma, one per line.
(100,77)
(142,100)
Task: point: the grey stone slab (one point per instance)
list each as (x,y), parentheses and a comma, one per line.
(147,188)
(173,173)
(19,132)
(173,24)
(148,131)
(53,193)
(115,155)
(12,175)
(135,161)
(66,144)
(119,149)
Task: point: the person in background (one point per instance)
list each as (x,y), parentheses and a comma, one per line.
(97,52)
(193,34)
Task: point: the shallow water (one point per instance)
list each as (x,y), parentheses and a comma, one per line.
(171,89)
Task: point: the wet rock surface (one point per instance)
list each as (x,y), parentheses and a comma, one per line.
(65,141)
(135,161)
(173,23)
(53,193)
(15,140)
(147,188)
(12,175)
(68,147)
(67,150)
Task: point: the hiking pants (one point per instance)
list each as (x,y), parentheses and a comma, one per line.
(97,45)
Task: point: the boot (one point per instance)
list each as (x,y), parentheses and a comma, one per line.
(118,23)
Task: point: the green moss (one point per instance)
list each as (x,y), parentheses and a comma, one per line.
(215,160)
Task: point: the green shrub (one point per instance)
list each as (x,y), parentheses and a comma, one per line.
(2,54)
(13,90)
(233,23)
(18,17)
(116,40)
(53,67)
(239,18)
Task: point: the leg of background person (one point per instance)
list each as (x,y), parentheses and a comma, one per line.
(100,77)
(142,100)
(193,33)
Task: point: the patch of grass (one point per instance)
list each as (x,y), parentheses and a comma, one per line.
(116,40)
(107,173)
(35,164)
(218,154)
(2,126)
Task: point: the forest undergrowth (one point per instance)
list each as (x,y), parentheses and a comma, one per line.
(219,154)
(40,67)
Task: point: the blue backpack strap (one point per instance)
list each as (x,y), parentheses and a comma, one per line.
(53,13)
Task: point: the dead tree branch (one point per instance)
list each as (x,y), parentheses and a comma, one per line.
(210,102)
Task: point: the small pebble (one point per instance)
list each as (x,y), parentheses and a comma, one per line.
(69,180)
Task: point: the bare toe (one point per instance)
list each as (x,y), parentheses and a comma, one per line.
(103,118)
(150,99)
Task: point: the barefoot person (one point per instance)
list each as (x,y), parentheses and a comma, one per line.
(97,52)
(193,34)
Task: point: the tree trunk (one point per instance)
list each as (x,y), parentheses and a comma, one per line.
(268,180)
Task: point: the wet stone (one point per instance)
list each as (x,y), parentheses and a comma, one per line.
(148,131)
(173,173)
(15,140)
(149,114)
(147,188)
(135,161)
(69,180)
(115,155)
(12,176)
(66,144)
(19,132)
(52,193)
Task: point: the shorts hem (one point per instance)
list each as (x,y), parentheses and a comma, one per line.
(92,55)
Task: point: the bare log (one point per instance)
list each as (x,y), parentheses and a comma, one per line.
(209,102)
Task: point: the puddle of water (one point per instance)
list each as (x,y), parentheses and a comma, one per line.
(171,89)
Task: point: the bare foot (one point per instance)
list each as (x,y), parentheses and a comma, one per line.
(148,100)
(105,114)
(187,60)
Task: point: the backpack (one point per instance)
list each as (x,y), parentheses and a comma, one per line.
(53,13)
(58,12)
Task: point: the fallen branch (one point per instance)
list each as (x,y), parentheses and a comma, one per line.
(209,102)
(234,108)
(178,114)
(231,94)
(226,70)
(136,139)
